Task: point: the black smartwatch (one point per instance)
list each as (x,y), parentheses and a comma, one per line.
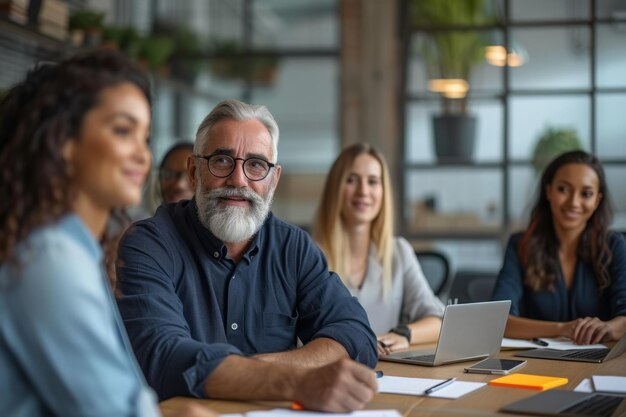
(402,330)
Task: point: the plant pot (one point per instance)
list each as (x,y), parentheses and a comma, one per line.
(454,137)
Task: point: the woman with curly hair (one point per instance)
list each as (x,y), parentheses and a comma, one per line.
(354,229)
(566,274)
(73,148)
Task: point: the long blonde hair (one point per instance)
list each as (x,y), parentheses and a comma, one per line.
(329,229)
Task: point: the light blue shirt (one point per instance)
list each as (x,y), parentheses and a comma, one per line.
(63,351)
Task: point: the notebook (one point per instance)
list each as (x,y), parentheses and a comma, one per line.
(578,355)
(569,403)
(468,332)
(536,382)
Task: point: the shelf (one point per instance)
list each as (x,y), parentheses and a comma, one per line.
(448,165)
(9,28)
(492,235)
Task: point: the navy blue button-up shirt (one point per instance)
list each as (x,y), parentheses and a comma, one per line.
(186,305)
(583,299)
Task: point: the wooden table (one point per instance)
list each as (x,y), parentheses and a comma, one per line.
(483,402)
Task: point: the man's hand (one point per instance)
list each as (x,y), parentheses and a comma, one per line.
(341,386)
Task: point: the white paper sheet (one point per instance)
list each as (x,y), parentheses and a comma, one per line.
(283,412)
(416,386)
(559,343)
(584,386)
(605,383)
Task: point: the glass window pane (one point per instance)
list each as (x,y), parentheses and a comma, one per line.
(610,9)
(295,24)
(483,77)
(557,58)
(454,200)
(468,255)
(611,50)
(524,10)
(530,116)
(610,125)
(225,20)
(523,182)
(419,142)
(162,134)
(303,99)
(615,181)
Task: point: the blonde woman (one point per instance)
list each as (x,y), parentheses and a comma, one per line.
(354,228)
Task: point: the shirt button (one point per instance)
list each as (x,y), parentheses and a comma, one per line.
(216,254)
(234,326)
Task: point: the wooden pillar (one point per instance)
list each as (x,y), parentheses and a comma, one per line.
(370,75)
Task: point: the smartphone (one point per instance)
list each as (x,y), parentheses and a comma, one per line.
(496,366)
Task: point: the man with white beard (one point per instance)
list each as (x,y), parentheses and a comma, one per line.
(216,290)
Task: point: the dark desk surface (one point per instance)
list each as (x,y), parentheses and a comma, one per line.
(483,402)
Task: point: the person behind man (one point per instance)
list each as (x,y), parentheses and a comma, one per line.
(73,147)
(173,179)
(354,228)
(566,273)
(216,290)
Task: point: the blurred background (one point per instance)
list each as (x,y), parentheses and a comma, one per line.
(468,99)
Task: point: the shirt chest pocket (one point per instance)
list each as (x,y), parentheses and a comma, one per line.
(279,331)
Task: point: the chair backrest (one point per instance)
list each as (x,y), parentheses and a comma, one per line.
(472,286)
(436,269)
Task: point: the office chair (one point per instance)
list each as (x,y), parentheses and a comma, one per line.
(472,286)
(436,268)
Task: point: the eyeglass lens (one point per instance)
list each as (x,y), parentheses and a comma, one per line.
(223,165)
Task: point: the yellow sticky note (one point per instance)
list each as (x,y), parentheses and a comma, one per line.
(536,382)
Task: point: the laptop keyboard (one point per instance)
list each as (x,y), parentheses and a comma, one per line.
(587,353)
(596,405)
(424,358)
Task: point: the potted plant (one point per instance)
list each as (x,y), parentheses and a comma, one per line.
(111,37)
(450,57)
(188,55)
(553,142)
(130,42)
(86,27)
(155,52)
(230,63)
(226,62)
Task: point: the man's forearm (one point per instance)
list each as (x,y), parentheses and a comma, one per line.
(241,378)
(318,352)
(340,386)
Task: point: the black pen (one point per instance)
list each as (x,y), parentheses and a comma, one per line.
(539,342)
(439,386)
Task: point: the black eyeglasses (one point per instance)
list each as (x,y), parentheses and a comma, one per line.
(221,166)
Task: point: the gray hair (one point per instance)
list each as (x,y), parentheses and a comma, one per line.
(237,110)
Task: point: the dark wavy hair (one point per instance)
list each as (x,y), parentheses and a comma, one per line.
(538,247)
(37,117)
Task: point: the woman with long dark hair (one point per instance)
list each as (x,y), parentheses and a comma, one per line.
(566,274)
(73,148)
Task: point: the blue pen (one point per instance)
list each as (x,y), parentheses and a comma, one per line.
(439,386)
(539,342)
(379,374)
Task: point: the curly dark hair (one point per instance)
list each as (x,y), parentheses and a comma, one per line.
(538,247)
(37,117)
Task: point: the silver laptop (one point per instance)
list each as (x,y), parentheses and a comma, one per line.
(556,402)
(468,332)
(578,355)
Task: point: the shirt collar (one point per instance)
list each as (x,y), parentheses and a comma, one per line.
(74,226)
